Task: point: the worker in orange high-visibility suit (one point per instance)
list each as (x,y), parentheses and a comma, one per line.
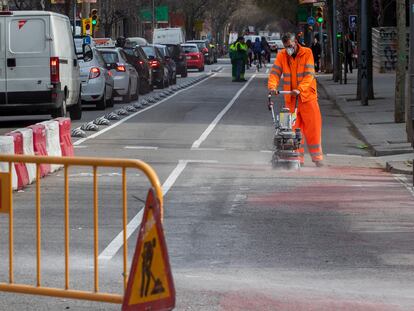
(294,69)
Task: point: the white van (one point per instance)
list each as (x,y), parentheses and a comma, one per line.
(168,36)
(39,71)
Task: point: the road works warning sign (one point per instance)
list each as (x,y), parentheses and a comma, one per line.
(5,192)
(150,284)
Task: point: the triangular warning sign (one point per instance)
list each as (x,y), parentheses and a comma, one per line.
(150,283)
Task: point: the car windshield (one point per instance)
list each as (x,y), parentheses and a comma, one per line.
(110,57)
(129,51)
(174,50)
(150,51)
(162,51)
(190,49)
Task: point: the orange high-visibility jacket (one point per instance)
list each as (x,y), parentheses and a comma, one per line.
(295,73)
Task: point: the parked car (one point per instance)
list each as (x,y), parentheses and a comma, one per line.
(178,55)
(158,67)
(137,57)
(195,59)
(136,41)
(276,45)
(169,63)
(204,47)
(39,70)
(97,81)
(126,79)
(168,36)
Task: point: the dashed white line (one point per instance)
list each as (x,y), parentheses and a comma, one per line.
(213,124)
(141,147)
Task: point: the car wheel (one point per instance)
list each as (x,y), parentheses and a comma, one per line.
(76,110)
(61,111)
(101,104)
(110,102)
(175,79)
(127,98)
(201,69)
(184,74)
(167,83)
(161,84)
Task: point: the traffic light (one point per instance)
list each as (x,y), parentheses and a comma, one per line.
(319,15)
(339,35)
(94,17)
(87,26)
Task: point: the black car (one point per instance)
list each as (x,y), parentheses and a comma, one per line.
(178,55)
(169,63)
(158,67)
(137,57)
(205,48)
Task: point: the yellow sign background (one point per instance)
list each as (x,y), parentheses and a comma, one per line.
(158,268)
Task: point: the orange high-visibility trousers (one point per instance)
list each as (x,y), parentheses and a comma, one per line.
(309,120)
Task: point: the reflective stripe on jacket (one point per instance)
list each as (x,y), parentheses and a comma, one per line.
(294,73)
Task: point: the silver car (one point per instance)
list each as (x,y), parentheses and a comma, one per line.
(125,76)
(97,81)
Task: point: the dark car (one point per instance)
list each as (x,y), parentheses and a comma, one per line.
(178,55)
(137,57)
(204,47)
(169,63)
(158,66)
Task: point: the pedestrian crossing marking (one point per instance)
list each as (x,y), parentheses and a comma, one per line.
(150,285)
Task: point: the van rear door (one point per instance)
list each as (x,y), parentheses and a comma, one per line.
(28,59)
(3,90)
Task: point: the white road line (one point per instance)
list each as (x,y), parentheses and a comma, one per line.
(109,252)
(266,151)
(82,140)
(210,149)
(213,124)
(267,70)
(141,147)
(117,243)
(402,179)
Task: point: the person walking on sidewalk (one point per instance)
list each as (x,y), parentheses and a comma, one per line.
(238,56)
(348,53)
(294,68)
(316,51)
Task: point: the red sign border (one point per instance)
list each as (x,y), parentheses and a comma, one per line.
(165,304)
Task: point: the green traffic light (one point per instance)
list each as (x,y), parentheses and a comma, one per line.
(94,22)
(319,20)
(338,35)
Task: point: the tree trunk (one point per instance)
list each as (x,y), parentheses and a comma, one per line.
(400,72)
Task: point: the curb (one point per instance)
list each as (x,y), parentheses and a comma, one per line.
(398,167)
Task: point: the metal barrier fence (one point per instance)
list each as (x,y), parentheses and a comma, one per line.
(67,162)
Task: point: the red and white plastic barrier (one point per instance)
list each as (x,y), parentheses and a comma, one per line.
(27,134)
(21,169)
(52,142)
(49,138)
(7,147)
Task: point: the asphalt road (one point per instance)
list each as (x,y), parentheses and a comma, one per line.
(241,236)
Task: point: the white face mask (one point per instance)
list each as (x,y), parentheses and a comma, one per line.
(290,51)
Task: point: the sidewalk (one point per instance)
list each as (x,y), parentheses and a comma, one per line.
(374,123)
